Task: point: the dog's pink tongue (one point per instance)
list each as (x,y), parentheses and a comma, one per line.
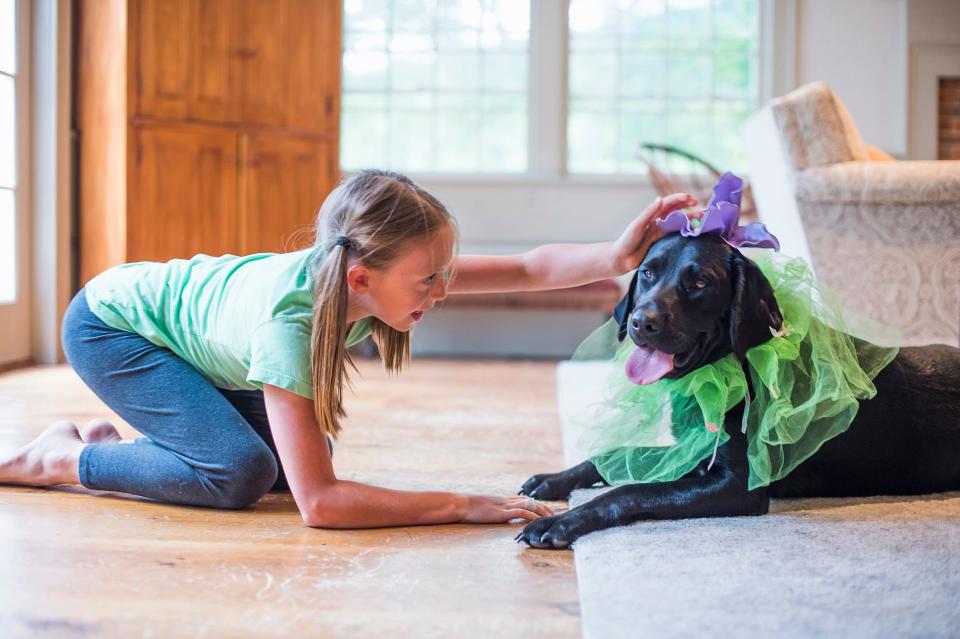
(645,366)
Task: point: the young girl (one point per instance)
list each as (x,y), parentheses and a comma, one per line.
(233,367)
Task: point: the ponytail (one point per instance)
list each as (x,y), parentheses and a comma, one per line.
(329,335)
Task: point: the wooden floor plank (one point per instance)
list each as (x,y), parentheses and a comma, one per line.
(78,565)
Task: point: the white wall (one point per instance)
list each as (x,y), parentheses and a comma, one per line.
(502,217)
(933,35)
(859,48)
(933,22)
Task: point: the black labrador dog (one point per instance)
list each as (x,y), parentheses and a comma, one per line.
(700,299)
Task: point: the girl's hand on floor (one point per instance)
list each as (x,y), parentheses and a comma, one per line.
(483,509)
(630,249)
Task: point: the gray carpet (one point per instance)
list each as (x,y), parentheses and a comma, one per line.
(872,567)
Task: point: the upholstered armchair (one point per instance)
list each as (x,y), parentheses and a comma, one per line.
(884,234)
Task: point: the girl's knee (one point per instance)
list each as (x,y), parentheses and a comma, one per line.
(251,476)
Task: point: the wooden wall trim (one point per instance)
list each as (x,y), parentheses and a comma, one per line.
(102,129)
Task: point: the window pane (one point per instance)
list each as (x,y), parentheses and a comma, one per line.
(411,139)
(450,78)
(412,15)
(736,20)
(500,151)
(460,14)
(459,129)
(413,72)
(505,72)
(458,71)
(688,21)
(8,36)
(643,76)
(8,247)
(728,149)
(593,74)
(365,15)
(734,76)
(363,136)
(365,70)
(640,120)
(676,72)
(688,76)
(593,137)
(8,174)
(593,25)
(644,24)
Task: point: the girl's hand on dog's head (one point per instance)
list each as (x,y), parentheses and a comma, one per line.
(631,247)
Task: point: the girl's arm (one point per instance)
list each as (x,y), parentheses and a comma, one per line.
(327,502)
(564,265)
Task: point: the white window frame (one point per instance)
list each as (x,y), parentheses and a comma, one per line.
(547,96)
(44,188)
(15,316)
(54,245)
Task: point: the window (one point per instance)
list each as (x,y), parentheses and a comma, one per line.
(435,85)
(676,72)
(442,86)
(8,151)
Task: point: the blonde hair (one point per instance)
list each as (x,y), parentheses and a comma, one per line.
(371,216)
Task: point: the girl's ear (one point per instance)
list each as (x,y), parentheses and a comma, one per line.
(358,278)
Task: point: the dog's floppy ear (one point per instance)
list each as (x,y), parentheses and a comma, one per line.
(754,310)
(622,312)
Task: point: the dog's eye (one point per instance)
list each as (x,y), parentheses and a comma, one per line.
(700,284)
(647,273)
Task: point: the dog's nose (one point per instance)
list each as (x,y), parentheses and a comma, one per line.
(649,322)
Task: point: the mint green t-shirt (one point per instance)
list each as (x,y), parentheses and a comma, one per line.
(242,321)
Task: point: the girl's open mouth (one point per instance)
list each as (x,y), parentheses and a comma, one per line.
(416,315)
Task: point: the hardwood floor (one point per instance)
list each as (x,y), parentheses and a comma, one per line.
(74,565)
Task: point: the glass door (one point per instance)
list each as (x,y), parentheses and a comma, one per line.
(14,137)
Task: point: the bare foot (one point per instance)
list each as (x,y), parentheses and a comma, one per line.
(52,458)
(100,431)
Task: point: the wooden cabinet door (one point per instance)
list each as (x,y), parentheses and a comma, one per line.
(284,181)
(314,65)
(187,59)
(290,67)
(264,62)
(183,192)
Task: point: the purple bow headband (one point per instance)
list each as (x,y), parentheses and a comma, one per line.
(722,216)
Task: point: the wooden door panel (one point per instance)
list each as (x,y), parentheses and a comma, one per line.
(285,180)
(291,63)
(187,59)
(161,35)
(214,92)
(314,64)
(265,75)
(262,62)
(184,197)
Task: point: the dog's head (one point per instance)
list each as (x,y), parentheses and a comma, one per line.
(692,301)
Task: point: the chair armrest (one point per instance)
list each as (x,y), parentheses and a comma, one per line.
(920,182)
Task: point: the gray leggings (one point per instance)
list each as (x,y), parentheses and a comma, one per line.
(204,446)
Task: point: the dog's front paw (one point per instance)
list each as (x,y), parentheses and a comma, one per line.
(556,532)
(549,486)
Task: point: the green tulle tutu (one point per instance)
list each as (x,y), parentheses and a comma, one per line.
(807,382)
